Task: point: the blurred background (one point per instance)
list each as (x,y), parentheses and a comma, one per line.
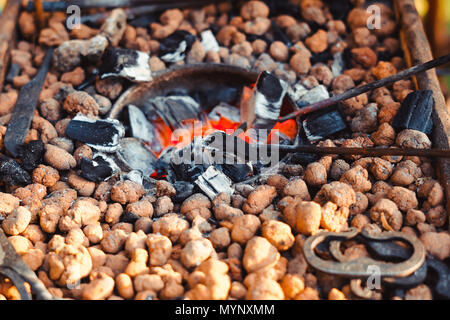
(436,19)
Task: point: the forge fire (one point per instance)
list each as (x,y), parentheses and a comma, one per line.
(148,153)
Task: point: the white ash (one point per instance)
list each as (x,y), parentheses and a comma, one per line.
(209,41)
(297,92)
(212,182)
(178,55)
(135,175)
(140,127)
(112,143)
(132,154)
(225,110)
(314,95)
(135,69)
(338,65)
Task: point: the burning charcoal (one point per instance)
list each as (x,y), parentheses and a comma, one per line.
(132,154)
(100,168)
(214,97)
(314,95)
(174,109)
(103,135)
(212,182)
(338,65)
(12,173)
(209,41)
(320,126)
(415,112)
(265,102)
(184,190)
(126,63)
(140,127)
(14,71)
(175,47)
(31,154)
(226,111)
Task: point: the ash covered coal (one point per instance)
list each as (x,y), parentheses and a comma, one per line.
(323,125)
(102,135)
(99,168)
(175,47)
(126,63)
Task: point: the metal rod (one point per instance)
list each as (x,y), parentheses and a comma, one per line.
(367,87)
(369,152)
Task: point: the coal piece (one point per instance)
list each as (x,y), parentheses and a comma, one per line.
(140,127)
(133,154)
(31,154)
(237,172)
(212,182)
(98,168)
(175,47)
(320,126)
(415,112)
(184,190)
(12,173)
(103,135)
(126,63)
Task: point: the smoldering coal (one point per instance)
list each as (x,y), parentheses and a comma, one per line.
(132,154)
(140,127)
(102,135)
(126,63)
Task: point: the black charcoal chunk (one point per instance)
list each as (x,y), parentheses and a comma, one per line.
(323,57)
(184,190)
(31,154)
(12,173)
(133,154)
(174,109)
(103,135)
(212,182)
(140,127)
(237,172)
(264,105)
(99,168)
(212,98)
(175,47)
(415,112)
(126,63)
(320,126)
(303,158)
(14,71)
